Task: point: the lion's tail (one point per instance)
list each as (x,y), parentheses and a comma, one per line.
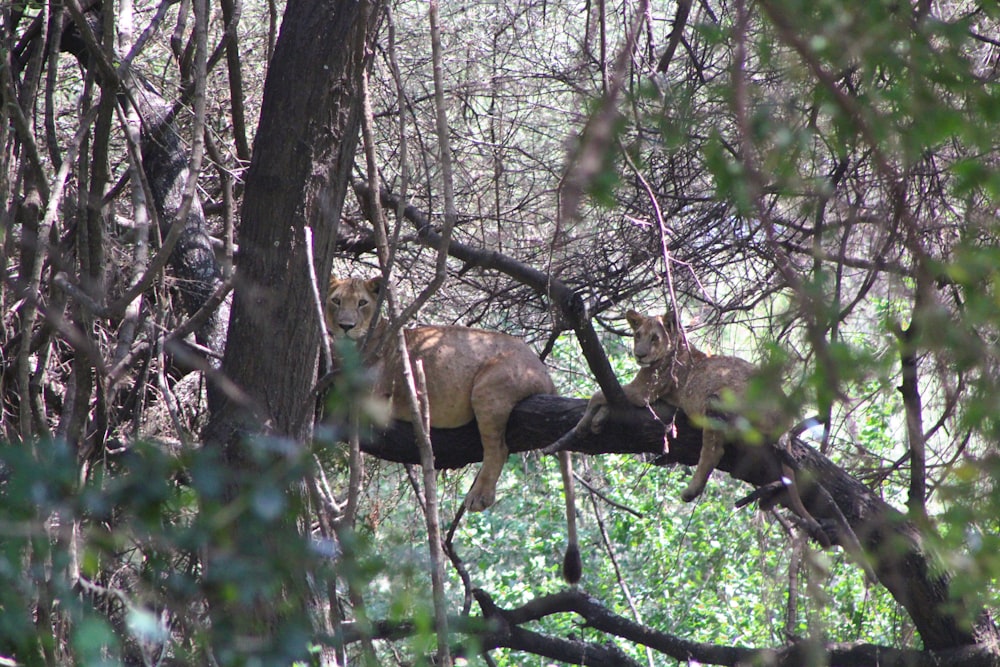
(572,563)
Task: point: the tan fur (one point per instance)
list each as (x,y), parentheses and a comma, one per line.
(470,374)
(350,307)
(706,388)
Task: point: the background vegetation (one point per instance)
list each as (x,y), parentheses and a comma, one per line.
(812,184)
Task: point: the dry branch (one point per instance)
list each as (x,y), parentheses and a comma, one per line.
(571,307)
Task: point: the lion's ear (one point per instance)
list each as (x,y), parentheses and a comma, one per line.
(634,318)
(374,284)
(669,320)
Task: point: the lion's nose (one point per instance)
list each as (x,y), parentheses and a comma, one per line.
(346,326)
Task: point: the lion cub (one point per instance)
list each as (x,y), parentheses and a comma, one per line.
(708,389)
(471,374)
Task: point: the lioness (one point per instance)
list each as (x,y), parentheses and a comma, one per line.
(470,374)
(705,387)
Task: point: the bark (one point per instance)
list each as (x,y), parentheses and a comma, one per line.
(894,546)
(192,261)
(909,390)
(298,176)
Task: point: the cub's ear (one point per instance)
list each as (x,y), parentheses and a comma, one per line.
(334,282)
(669,321)
(635,319)
(374,284)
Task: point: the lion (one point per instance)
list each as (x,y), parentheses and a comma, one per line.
(710,389)
(470,374)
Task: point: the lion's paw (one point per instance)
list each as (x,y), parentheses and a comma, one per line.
(691,492)
(479,499)
(600,418)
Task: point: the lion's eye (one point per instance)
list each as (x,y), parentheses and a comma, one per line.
(335,301)
(362,303)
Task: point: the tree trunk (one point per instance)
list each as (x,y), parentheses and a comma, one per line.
(298,177)
(193,260)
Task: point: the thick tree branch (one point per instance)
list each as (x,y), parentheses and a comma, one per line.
(894,545)
(909,389)
(680,21)
(171,173)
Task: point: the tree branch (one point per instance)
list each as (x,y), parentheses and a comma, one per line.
(680,21)
(894,545)
(499,628)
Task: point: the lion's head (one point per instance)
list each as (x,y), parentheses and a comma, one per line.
(350,306)
(654,337)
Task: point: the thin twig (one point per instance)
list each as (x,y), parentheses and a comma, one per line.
(596,492)
(587,161)
(32,292)
(622,583)
(456,560)
(317,299)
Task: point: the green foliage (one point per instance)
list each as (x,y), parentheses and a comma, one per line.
(685,574)
(189,529)
(853,149)
(572,376)
(706,572)
(969,533)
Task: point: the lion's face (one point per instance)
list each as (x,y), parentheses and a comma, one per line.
(350,306)
(653,337)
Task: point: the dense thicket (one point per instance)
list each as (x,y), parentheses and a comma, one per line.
(812,185)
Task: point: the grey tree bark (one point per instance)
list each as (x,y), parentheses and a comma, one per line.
(298,177)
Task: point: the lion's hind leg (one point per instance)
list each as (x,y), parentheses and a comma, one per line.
(715,421)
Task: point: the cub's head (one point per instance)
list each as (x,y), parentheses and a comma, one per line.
(350,306)
(654,337)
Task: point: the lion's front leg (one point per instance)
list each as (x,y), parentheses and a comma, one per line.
(711,453)
(484,490)
(598,411)
(595,415)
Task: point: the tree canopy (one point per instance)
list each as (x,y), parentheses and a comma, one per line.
(190,474)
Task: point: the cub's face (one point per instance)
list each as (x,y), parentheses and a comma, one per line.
(350,306)
(653,337)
